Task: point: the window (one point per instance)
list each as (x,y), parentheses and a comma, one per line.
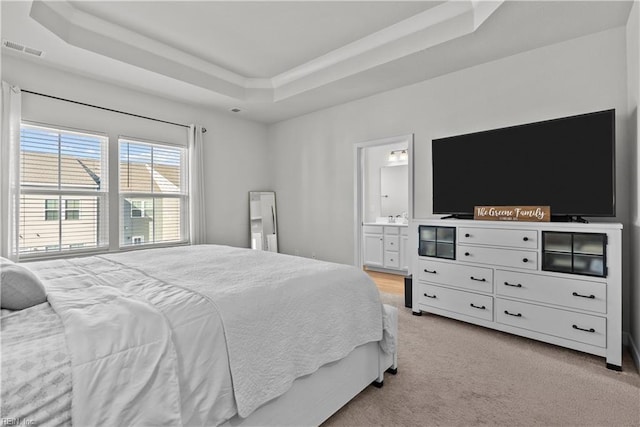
(141,208)
(51,207)
(72,209)
(153,196)
(61,169)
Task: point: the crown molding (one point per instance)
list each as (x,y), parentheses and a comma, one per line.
(447,21)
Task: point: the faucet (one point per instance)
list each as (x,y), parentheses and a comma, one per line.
(391,219)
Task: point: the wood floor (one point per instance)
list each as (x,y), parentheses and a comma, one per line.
(388,283)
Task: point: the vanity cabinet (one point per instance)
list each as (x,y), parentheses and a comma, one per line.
(385,247)
(373,246)
(555,282)
(405,257)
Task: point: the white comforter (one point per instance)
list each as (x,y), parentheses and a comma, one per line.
(220,330)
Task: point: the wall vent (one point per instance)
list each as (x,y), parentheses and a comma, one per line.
(13,45)
(21,48)
(33,51)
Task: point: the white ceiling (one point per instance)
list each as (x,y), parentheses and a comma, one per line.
(260,39)
(276,60)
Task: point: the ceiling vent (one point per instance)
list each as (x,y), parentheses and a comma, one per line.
(21,48)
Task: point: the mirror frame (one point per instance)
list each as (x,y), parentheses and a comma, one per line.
(265,243)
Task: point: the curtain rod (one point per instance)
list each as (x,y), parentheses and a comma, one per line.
(107,109)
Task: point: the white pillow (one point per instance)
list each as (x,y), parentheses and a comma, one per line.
(19,287)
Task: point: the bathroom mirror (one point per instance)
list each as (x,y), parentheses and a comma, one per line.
(262,221)
(394,190)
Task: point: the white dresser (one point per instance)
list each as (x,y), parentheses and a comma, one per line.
(555,282)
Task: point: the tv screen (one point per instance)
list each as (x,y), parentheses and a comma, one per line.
(567,164)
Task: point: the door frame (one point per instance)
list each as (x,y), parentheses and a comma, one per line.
(358,179)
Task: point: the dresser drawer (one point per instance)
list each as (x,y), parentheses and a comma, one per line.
(392,259)
(495,256)
(391,243)
(525,239)
(468,303)
(579,327)
(580,294)
(462,276)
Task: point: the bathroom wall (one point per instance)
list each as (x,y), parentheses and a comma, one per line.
(374,159)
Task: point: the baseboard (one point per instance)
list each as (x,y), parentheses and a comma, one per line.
(633,349)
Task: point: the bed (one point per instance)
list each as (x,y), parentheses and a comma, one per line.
(198,335)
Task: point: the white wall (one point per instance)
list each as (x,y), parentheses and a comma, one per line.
(633,79)
(312,155)
(235,149)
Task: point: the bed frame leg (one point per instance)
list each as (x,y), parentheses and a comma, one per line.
(377,384)
(392,370)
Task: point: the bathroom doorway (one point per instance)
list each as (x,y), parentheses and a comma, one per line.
(383,203)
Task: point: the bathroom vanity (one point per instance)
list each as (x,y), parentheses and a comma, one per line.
(385,247)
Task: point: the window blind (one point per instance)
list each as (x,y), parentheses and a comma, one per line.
(153,194)
(63,188)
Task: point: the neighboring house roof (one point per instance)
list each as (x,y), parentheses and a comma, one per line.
(42,169)
(138,177)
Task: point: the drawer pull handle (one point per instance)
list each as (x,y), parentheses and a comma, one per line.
(515,315)
(480,307)
(582,329)
(526,239)
(429,296)
(429,271)
(575,294)
(391,243)
(517,285)
(467,254)
(525,259)
(478,280)
(467,235)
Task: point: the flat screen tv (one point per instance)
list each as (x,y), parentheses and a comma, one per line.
(566,163)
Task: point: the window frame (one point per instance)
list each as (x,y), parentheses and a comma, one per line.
(61,192)
(143,197)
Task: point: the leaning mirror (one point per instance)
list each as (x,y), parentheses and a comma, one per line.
(262,219)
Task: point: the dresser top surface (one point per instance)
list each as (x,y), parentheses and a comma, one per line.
(572,226)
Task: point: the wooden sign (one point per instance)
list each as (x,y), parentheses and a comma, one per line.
(513,213)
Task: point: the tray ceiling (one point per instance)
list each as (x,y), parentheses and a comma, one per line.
(276,60)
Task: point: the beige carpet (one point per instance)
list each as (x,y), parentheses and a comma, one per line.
(452,373)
